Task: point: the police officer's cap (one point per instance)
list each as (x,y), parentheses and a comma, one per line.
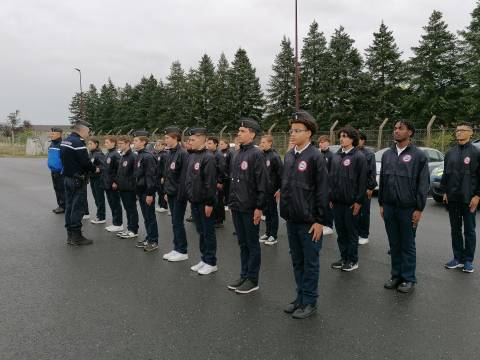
(197,131)
(172,130)
(250,124)
(56,129)
(141,132)
(83,123)
(305,118)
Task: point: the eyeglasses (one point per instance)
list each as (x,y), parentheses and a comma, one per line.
(296,131)
(463,130)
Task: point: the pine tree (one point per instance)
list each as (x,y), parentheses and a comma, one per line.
(176,94)
(75,108)
(202,87)
(281,87)
(125,110)
(91,105)
(247,96)
(386,71)
(315,61)
(107,103)
(436,81)
(222,99)
(146,90)
(471,63)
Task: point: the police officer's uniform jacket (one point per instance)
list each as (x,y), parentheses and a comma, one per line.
(461,174)
(274,166)
(126,171)
(201,177)
(145,170)
(249,179)
(404,178)
(75,159)
(304,190)
(175,170)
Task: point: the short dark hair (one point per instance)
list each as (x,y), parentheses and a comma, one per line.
(362,135)
(124,138)
(112,139)
(351,133)
(323,138)
(465,123)
(94,140)
(305,118)
(407,124)
(214,139)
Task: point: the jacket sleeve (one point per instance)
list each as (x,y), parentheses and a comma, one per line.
(277,172)
(362,178)
(372,172)
(220,167)
(381,183)
(100,161)
(210,180)
(261,180)
(83,159)
(445,177)
(150,165)
(423,183)
(114,167)
(183,162)
(477,191)
(321,190)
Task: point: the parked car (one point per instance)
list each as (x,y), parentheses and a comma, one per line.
(436,177)
(435,159)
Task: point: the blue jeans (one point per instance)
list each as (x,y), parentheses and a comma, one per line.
(347,234)
(364,220)
(250,253)
(129,200)
(98,193)
(75,195)
(305,255)
(401,237)
(271,216)
(149,218)
(460,213)
(177,209)
(206,229)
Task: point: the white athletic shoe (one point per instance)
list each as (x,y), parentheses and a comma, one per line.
(122,233)
(207,269)
(97,221)
(169,213)
(198,266)
(226,208)
(128,235)
(271,241)
(167,255)
(263,217)
(86,217)
(263,238)
(327,230)
(114,228)
(161,210)
(362,241)
(178,257)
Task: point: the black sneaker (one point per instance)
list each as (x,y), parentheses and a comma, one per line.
(219,225)
(151,247)
(237,283)
(406,287)
(304,312)
(247,287)
(290,308)
(59,210)
(349,266)
(392,284)
(77,239)
(141,244)
(337,264)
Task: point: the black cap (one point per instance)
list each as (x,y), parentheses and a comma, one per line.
(305,118)
(141,132)
(172,130)
(249,123)
(197,131)
(56,129)
(83,123)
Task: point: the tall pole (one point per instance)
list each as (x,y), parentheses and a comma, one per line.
(82,112)
(297,70)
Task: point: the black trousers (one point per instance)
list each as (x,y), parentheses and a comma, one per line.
(219,209)
(347,232)
(463,246)
(250,252)
(75,195)
(98,193)
(129,201)
(113,198)
(59,187)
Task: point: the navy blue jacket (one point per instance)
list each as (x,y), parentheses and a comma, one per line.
(371,167)
(125,172)
(145,173)
(327,154)
(175,170)
(274,164)
(98,159)
(109,175)
(201,177)
(74,154)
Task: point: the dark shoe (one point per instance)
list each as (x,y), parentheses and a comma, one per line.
(69,238)
(237,283)
(406,287)
(350,266)
(189,219)
(77,239)
(151,247)
(392,284)
(141,244)
(290,308)
(59,210)
(304,312)
(247,287)
(337,264)
(218,225)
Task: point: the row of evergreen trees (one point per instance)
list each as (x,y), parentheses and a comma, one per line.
(442,78)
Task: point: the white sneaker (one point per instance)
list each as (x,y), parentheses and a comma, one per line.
(263,238)
(86,217)
(114,228)
(362,241)
(122,233)
(207,269)
(169,213)
(271,241)
(161,210)
(226,208)
(327,230)
(263,217)
(178,257)
(167,255)
(157,209)
(128,235)
(198,266)
(97,221)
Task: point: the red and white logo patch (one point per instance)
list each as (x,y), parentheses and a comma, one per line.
(346,162)
(302,165)
(172,166)
(268,163)
(466,161)
(406,158)
(244,165)
(109,160)
(125,163)
(196,166)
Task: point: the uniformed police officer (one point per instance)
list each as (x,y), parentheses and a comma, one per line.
(303,204)
(201,187)
(247,201)
(174,185)
(461,185)
(56,167)
(76,166)
(402,195)
(364,216)
(348,187)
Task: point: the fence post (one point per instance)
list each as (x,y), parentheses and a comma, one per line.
(183,135)
(380,133)
(220,135)
(332,135)
(131,130)
(443,138)
(429,130)
(271,128)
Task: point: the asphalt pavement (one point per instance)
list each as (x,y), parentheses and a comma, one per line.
(113,301)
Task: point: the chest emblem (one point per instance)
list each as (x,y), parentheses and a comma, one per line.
(302,166)
(466,161)
(196,166)
(244,165)
(406,158)
(125,163)
(347,162)
(109,160)
(268,163)
(172,166)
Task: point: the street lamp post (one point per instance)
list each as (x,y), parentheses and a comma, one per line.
(297,70)
(82,112)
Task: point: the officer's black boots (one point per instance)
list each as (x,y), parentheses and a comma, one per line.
(77,239)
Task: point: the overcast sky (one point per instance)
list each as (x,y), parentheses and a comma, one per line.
(42,41)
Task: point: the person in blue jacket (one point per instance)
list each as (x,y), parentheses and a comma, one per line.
(56,168)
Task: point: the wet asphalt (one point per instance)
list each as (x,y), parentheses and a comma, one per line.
(113,301)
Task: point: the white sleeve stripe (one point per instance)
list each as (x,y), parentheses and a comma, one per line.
(71,147)
(55,149)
